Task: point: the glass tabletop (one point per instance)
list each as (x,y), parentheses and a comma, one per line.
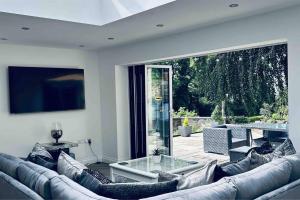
(267,126)
(167,164)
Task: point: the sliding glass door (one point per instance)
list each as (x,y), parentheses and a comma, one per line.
(158,87)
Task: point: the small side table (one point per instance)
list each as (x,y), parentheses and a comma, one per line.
(55,149)
(239,153)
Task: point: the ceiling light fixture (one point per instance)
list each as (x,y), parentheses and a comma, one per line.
(110,38)
(25,28)
(3,39)
(160,25)
(234,5)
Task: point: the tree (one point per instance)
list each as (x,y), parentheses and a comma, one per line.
(244,79)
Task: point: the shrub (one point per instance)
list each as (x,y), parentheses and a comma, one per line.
(217,115)
(237,120)
(255,118)
(184,112)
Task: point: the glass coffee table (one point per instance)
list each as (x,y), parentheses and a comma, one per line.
(142,169)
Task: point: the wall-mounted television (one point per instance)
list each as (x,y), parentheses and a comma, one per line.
(39,89)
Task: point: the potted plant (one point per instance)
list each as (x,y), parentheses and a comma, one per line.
(185,130)
(156,155)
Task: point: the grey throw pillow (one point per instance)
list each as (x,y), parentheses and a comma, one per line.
(202,176)
(135,190)
(68,166)
(165,176)
(237,168)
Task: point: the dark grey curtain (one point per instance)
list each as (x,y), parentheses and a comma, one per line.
(137,111)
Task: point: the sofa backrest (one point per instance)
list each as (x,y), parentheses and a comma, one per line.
(295,162)
(64,188)
(9,164)
(36,178)
(10,188)
(263,179)
(218,190)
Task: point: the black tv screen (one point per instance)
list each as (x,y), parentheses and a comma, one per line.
(35,89)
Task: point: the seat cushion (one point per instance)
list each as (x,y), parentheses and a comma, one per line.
(10,188)
(202,176)
(36,178)
(262,180)
(66,189)
(68,166)
(9,164)
(219,190)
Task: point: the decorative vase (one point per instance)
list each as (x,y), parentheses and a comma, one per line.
(156,158)
(56,132)
(185,131)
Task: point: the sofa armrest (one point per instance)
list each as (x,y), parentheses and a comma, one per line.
(289,191)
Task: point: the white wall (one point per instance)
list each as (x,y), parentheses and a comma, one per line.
(19,132)
(282,24)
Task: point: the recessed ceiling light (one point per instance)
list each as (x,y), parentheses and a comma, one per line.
(234,5)
(110,38)
(81,46)
(25,28)
(3,39)
(160,25)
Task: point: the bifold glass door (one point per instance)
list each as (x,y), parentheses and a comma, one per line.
(158,79)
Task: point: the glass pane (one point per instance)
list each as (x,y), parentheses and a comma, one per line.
(167,164)
(158,103)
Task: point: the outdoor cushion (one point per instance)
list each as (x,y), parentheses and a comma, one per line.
(237,168)
(68,166)
(262,180)
(66,189)
(219,190)
(10,188)
(202,176)
(36,178)
(9,164)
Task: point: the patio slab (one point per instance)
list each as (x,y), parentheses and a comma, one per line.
(191,148)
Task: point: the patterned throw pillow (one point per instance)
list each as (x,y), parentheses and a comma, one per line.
(98,175)
(68,166)
(38,149)
(286,148)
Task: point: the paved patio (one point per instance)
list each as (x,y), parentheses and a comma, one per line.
(191,148)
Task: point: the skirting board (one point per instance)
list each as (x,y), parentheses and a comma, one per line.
(107,159)
(89,160)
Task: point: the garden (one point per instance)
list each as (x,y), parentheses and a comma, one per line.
(235,87)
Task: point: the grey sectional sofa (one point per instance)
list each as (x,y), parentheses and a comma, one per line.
(279,179)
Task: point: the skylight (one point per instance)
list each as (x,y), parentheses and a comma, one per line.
(95,12)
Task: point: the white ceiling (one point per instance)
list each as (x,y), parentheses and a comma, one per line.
(177,16)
